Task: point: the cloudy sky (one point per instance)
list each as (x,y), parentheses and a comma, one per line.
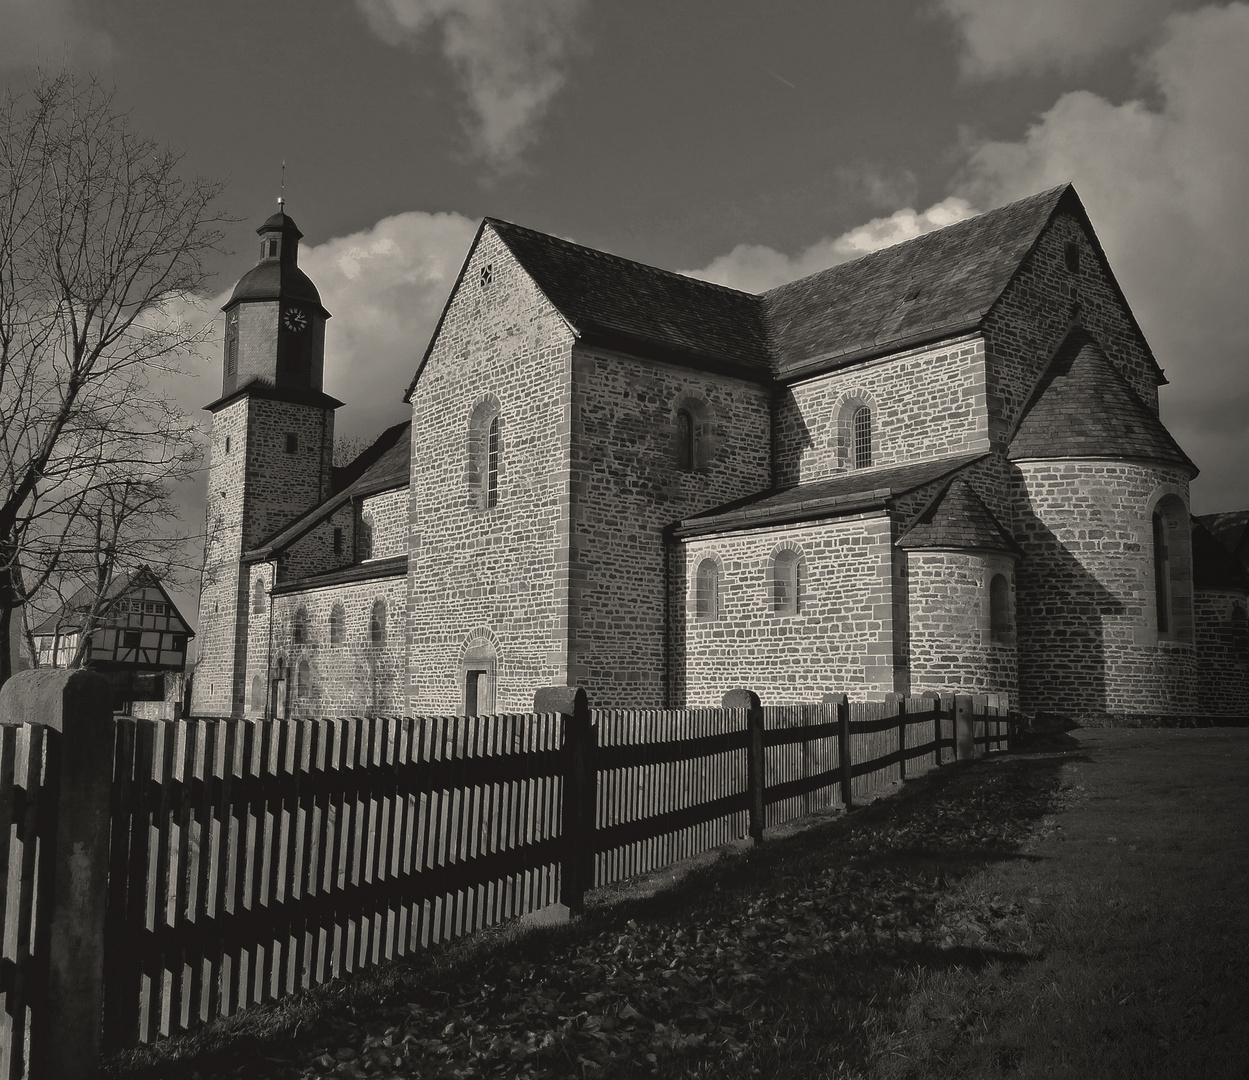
(750,141)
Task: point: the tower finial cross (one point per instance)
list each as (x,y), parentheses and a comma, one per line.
(282,189)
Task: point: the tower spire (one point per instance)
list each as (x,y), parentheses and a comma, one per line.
(282,191)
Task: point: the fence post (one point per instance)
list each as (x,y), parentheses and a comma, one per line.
(901,702)
(844,764)
(964,728)
(947,714)
(78,707)
(580,795)
(934,703)
(756,772)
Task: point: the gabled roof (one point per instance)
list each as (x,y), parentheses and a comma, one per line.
(958,518)
(382,467)
(846,493)
(932,287)
(1232,531)
(610,300)
(73,612)
(1214,566)
(1084,408)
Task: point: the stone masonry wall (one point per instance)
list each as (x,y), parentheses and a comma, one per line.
(282,486)
(353,678)
(502,573)
(388,512)
(222,612)
(951,648)
(313,553)
(927,403)
(1085,612)
(626,487)
(1222,640)
(1031,319)
(840,641)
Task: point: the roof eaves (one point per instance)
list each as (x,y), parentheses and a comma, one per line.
(395,566)
(881,347)
(808,510)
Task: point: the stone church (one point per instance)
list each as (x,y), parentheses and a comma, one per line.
(938,467)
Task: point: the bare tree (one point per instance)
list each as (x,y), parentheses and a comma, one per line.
(100,239)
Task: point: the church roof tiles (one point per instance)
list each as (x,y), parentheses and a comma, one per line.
(958,518)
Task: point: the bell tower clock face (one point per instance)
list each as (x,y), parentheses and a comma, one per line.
(294,320)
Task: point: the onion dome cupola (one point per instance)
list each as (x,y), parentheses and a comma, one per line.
(275,323)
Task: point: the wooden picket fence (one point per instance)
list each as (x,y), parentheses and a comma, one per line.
(253,859)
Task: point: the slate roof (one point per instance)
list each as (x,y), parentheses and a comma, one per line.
(846,493)
(383,466)
(958,518)
(395,566)
(1232,531)
(1083,407)
(276,279)
(935,285)
(1214,566)
(922,290)
(610,300)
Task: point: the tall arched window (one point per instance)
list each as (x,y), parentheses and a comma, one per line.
(338,619)
(377,623)
(258,597)
(492,466)
(485,454)
(999,609)
(258,694)
(1162,575)
(788,571)
(707,591)
(299,626)
(303,681)
(685,440)
(861,425)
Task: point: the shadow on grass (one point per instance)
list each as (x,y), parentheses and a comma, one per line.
(809,1008)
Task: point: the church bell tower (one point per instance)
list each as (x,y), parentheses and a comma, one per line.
(272,450)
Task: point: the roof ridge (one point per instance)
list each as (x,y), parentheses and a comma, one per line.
(610,256)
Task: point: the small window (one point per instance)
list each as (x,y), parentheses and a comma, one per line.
(377,623)
(862,428)
(178,643)
(685,441)
(492,466)
(258,598)
(338,619)
(292,443)
(338,541)
(787,580)
(707,591)
(232,353)
(273,249)
(1071,256)
(487,275)
(227,444)
(299,627)
(999,609)
(303,681)
(131,639)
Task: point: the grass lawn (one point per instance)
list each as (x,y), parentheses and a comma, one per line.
(1078,912)
(1136,894)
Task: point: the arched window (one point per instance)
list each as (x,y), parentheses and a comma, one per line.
(999,609)
(492,466)
(1162,576)
(258,694)
(338,619)
(788,572)
(364,537)
(861,425)
(707,591)
(377,623)
(685,441)
(303,681)
(299,626)
(258,597)
(479,674)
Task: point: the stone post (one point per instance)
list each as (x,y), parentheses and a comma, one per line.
(77,705)
(580,790)
(964,728)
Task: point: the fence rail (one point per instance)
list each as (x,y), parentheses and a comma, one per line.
(250,859)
